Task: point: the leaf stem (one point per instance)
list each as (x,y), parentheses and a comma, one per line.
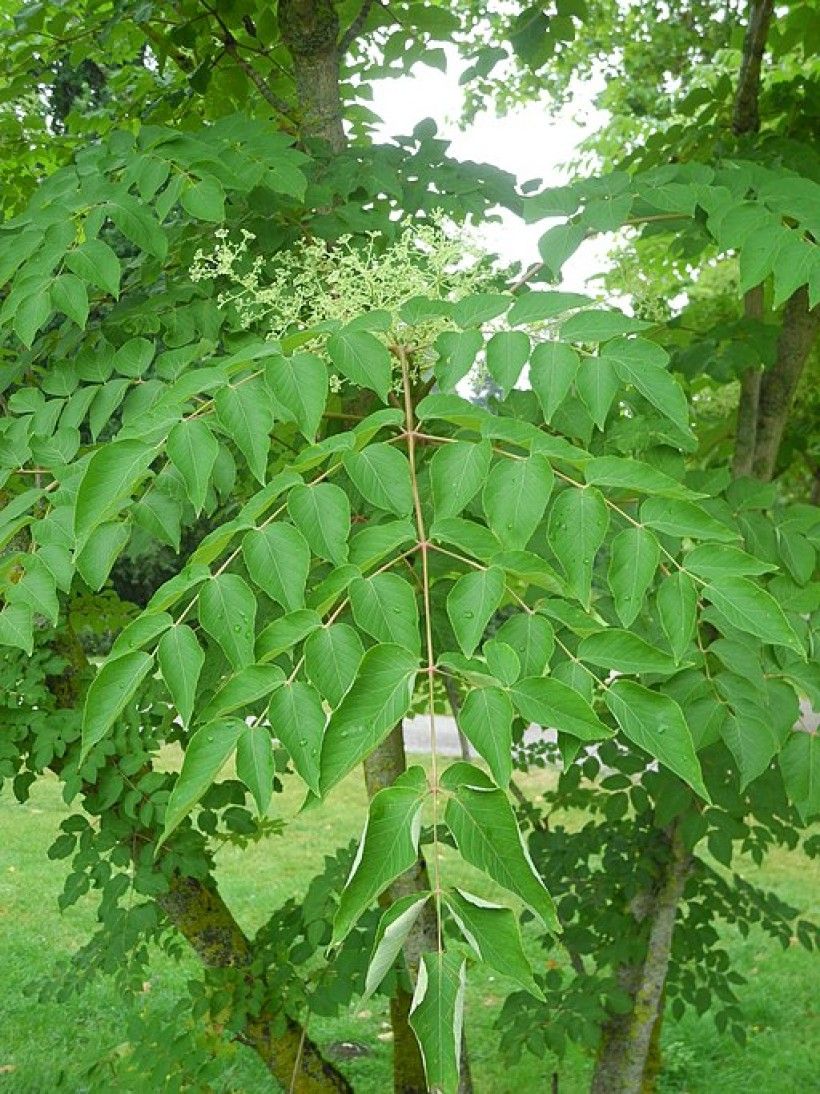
(424,547)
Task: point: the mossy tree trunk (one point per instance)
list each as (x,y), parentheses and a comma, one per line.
(196,909)
(628,1056)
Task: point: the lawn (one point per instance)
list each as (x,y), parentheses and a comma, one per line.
(49,1046)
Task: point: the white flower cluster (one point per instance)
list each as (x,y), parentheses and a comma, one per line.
(315,281)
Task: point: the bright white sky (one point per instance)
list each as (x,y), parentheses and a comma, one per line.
(527,142)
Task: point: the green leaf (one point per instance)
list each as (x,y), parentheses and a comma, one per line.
(381,474)
(180,661)
(684,518)
(515,498)
(457,351)
(753,610)
(633,560)
(457,473)
(656,724)
(332,658)
(241,689)
(677,601)
(532,638)
(534,307)
(485,830)
(491,930)
(298,719)
(255,765)
(322,515)
(384,606)
(578,523)
(597,385)
(36,588)
(599,326)
(245,414)
(797,554)
(625,652)
(389,846)
(379,698)
(96,263)
(138,224)
(375,542)
(362,358)
(205,200)
(626,474)
(285,633)
(557,244)
(502,661)
(486,719)
(643,365)
(478,308)
(160,515)
(300,384)
(752,740)
(110,692)
(278,560)
(552,704)
(553,367)
(436,1018)
(68,295)
(467,535)
(227,611)
(394,926)
(17,627)
(471,603)
(208,751)
(800,765)
(110,477)
(507,353)
(193,450)
(133,357)
(31,314)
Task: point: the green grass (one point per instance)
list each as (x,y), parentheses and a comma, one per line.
(47,1046)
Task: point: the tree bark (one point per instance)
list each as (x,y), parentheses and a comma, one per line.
(778,385)
(746,430)
(310,32)
(624,1052)
(199,913)
(381,768)
(746,119)
(746,113)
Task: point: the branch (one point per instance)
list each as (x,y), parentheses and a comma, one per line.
(746,114)
(778,384)
(232,49)
(355,28)
(746,428)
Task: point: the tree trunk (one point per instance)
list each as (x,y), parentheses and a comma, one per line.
(778,385)
(766,399)
(381,768)
(624,1056)
(199,913)
(310,32)
(746,430)
(201,916)
(746,114)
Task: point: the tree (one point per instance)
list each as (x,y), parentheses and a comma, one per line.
(159,373)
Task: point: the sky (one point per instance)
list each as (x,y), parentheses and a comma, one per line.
(528,142)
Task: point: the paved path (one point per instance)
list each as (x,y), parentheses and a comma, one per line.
(417,732)
(417,735)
